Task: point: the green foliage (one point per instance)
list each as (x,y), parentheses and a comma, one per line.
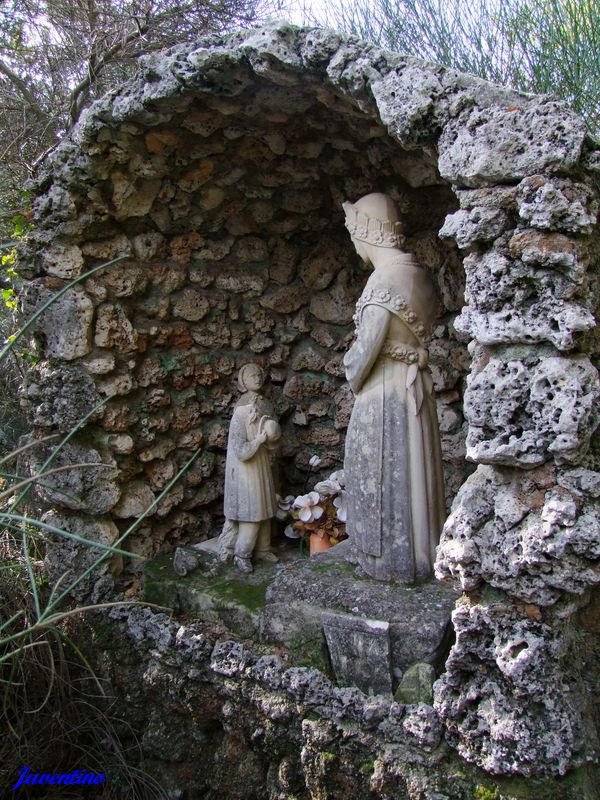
(8,295)
(54,709)
(540,46)
(559,43)
(483,793)
(18,229)
(11,374)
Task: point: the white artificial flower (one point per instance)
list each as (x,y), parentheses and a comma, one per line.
(341,504)
(309,509)
(291,532)
(314,461)
(283,506)
(338,476)
(328,487)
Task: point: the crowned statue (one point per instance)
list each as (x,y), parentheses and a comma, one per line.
(393,461)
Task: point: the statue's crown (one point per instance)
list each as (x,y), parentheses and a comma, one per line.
(381,233)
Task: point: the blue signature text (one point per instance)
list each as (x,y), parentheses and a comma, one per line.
(79,776)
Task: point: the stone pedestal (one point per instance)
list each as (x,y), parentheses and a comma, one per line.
(417,617)
(317,610)
(359,650)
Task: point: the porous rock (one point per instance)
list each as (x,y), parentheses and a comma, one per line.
(67,559)
(481,147)
(512,300)
(136,499)
(114,329)
(555,204)
(90,489)
(507,693)
(63,261)
(551,250)
(66,322)
(478,224)
(61,396)
(524,409)
(337,304)
(523,533)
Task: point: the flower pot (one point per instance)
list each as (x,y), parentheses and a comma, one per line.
(318,543)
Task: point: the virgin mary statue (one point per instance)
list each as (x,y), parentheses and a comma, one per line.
(393,461)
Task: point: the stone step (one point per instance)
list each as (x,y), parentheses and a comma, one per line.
(319,610)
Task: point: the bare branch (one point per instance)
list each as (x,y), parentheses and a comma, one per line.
(95,66)
(22,87)
(57,56)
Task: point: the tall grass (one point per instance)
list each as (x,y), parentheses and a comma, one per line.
(52,704)
(540,46)
(56,714)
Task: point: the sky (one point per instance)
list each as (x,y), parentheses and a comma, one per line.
(295,9)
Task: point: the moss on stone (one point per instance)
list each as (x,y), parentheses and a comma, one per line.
(312,652)
(483,793)
(168,361)
(159,584)
(580,784)
(250,595)
(216,594)
(336,568)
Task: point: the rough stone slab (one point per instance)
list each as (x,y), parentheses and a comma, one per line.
(418,616)
(213,592)
(360,652)
(287,604)
(503,144)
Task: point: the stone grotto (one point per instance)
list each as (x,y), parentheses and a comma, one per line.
(215,179)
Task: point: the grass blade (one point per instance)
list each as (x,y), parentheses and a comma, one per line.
(36,523)
(21,332)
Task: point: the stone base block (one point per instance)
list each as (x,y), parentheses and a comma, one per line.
(418,616)
(317,610)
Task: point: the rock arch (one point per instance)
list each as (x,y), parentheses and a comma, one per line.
(218,173)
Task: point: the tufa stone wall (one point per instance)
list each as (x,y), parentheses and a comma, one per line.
(218,173)
(222,720)
(228,210)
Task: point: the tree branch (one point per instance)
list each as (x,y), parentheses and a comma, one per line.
(95,66)
(22,87)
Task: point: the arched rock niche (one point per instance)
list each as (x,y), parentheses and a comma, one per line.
(219,174)
(226,201)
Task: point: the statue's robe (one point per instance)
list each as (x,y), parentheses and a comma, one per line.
(250,494)
(393,462)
